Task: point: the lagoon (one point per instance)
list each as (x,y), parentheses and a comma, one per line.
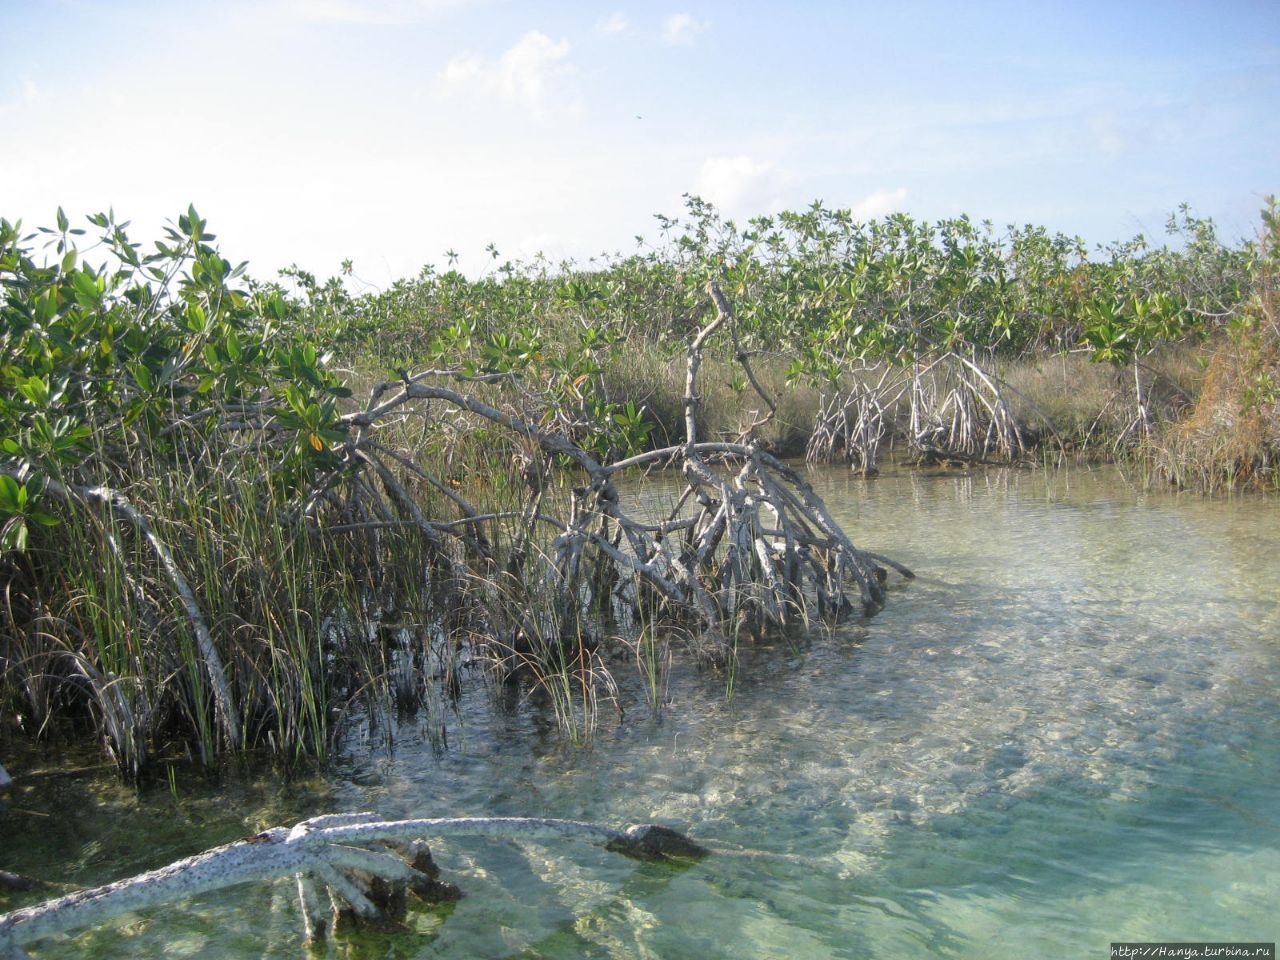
(1065,732)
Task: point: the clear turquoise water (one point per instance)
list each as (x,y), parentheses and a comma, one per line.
(1064,733)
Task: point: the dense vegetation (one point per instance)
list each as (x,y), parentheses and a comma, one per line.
(933,337)
(208,546)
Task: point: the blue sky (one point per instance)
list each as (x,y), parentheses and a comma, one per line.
(390,131)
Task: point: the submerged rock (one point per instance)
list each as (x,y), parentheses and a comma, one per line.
(650,841)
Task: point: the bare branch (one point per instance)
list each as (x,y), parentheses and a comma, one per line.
(325,849)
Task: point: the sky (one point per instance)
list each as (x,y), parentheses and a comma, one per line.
(389,132)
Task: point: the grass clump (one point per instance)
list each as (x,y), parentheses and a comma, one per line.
(174,465)
(1231,437)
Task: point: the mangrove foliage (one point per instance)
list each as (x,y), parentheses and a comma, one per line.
(240,514)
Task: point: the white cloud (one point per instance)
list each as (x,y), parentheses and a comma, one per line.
(877,204)
(525,69)
(375,12)
(525,74)
(681,28)
(614,23)
(29,94)
(739,185)
(464,70)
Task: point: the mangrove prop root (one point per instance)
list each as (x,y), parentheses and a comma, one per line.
(330,851)
(750,547)
(759,547)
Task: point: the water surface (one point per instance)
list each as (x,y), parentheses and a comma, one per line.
(1064,733)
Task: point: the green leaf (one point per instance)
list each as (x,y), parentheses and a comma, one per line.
(13,536)
(35,389)
(196,318)
(296,399)
(85,286)
(9,491)
(142,376)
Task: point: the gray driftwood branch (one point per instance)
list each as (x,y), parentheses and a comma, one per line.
(349,854)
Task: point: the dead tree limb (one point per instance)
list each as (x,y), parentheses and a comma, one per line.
(330,852)
(725,313)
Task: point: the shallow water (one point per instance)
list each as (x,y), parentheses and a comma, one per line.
(1066,732)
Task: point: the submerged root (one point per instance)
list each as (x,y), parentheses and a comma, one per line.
(960,414)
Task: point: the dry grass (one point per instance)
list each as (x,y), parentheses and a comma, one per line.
(729,405)
(1090,405)
(1232,436)
(1086,405)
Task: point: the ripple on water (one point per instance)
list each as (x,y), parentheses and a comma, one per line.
(1066,732)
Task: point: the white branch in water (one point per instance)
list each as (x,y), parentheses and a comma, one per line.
(316,850)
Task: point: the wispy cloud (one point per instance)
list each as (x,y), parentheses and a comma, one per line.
(616,22)
(680,29)
(878,203)
(530,73)
(373,12)
(739,184)
(28,95)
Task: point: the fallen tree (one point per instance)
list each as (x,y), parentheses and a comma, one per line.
(365,865)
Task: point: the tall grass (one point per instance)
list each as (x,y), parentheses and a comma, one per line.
(300,617)
(1087,405)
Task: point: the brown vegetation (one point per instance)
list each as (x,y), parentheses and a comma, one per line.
(1232,436)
